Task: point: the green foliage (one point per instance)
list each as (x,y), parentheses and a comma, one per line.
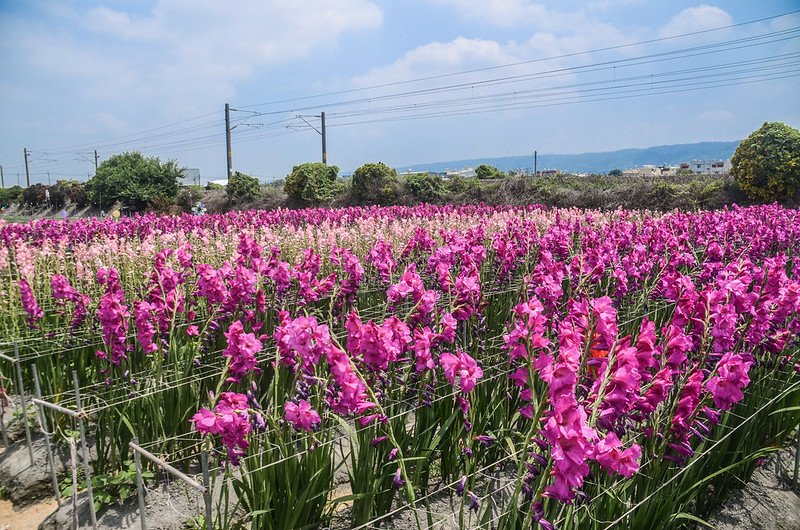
(111,488)
(214,186)
(133,180)
(243,187)
(485,171)
(10,195)
(615,173)
(424,187)
(374,184)
(312,183)
(766,165)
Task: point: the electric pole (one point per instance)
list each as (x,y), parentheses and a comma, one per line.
(48,178)
(324,143)
(534,162)
(27,172)
(95,160)
(2,177)
(228,137)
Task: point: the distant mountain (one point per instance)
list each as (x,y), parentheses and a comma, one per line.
(595,162)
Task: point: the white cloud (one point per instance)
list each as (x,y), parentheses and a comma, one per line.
(509,13)
(697,18)
(189,53)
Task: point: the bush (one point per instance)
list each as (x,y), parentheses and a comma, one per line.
(214,186)
(66,192)
(133,180)
(485,171)
(766,165)
(615,173)
(424,187)
(35,195)
(243,188)
(312,183)
(374,184)
(9,196)
(188,197)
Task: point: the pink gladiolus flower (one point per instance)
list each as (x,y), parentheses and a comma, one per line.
(242,349)
(726,386)
(623,462)
(462,366)
(301,415)
(32,309)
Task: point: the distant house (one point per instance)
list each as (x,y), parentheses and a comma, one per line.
(549,172)
(708,167)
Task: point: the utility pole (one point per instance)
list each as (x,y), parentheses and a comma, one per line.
(324,142)
(95,160)
(27,172)
(228,137)
(2,177)
(534,162)
(48,178)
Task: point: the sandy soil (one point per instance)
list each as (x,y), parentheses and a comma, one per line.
(27,518)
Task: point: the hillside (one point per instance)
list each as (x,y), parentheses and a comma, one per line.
(594,162)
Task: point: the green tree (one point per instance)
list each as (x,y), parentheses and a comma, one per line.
(243,187)
(11,195)
(66,192)
(374,183)
(485,171)
(312,183)
(35,195)
(766,165)
(424,187)
(615,173)
(133,180)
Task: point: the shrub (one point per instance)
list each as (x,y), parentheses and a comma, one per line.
(214,186)
(312,183)
(766,164)
(10,195)
(374,184)
(188,197)
(35,195)
(485,171)
(133,180)
(424,187)
(243,187)
(66,192)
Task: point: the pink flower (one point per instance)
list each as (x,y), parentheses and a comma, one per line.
(229,419)
(301,415)
(32,309)
(731,377)
(242,349)
(610,457)
(462,366)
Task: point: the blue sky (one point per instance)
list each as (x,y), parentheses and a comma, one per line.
(154,76)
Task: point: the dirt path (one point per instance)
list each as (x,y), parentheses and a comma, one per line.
(26,519)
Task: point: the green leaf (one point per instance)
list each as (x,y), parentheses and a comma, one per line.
(694,518)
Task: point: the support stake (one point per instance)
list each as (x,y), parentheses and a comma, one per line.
(207,493)
(45,431)
(85,450)
(23,402)
(139,485)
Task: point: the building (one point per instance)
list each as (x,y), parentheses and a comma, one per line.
(707,167)
(467,172)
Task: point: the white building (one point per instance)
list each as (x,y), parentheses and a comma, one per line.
(708,167)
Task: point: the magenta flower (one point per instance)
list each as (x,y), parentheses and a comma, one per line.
(32,309)
(731,377)
(462,366)
(610,457)
(301,415)
(242,349)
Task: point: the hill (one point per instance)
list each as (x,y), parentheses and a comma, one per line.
(594,162)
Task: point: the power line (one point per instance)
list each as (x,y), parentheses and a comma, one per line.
(519,63)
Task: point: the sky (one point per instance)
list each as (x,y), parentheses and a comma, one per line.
(400,81)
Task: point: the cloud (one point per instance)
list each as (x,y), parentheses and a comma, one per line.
(697,18)
(186,53)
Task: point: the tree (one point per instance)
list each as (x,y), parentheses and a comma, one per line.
(134,180)
(374,183)
(35,195)
(8,196)
(485,171)
(766,165)
(615,173)
(243,187)
(424,187)
(66,192)
(312,183)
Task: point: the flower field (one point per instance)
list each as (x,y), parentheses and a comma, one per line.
(455,367)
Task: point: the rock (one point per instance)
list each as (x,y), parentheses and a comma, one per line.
(765,503)
(167,508)
(24,483)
